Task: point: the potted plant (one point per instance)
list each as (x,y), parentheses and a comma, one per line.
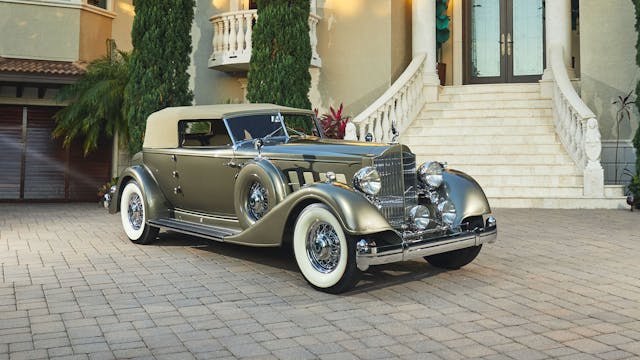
(442,35)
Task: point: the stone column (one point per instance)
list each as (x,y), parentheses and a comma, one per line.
(424,42)
(558,32)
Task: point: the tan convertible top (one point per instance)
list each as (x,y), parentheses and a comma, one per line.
(162,126)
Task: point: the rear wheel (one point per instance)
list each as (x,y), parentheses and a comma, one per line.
(325,256)
(134,215)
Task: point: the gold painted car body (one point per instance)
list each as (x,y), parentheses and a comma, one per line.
(200,190)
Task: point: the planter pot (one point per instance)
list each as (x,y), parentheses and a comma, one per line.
(442,73)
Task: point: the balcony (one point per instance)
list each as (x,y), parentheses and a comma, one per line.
(232,40)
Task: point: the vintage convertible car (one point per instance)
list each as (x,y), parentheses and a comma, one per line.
(264,175)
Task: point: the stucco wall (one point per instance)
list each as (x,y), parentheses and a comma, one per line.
(607,61)
(364,46)
(39,32)
(123,23)
(209,86)
(95,29)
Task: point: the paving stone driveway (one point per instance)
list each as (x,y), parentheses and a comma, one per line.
(558,284)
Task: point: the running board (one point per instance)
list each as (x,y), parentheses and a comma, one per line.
(205,231)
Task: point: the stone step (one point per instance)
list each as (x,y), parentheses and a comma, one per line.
(490,88)
(530,181)
(528,191)
(493,159)
(430,120)
(517,170)
(558,202)
(515,140)
(485,113)
(614,191)
(488,96)
(489,105)
(486,149)
(449,130)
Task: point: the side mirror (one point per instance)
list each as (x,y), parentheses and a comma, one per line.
(258,144)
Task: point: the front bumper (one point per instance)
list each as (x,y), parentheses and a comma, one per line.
(425,246)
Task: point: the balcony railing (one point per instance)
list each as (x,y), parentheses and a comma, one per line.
(232,40)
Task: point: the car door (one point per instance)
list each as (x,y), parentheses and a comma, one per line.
(203,168)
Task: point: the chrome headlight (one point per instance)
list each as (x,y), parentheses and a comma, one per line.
(367,180)
(430,173)
(448,212)
(419,214)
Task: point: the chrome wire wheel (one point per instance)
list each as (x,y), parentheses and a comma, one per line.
(324,253)
(323,247)
(257,201)
(135,211)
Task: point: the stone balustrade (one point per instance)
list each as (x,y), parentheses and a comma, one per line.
(232,40)
(397,107)
(577,126)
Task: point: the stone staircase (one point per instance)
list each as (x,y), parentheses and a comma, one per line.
(503,135)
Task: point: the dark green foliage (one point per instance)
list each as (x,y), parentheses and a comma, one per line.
(281,55)
(442,22)
(636,138)
(161,55)
(96,103)
(634,186)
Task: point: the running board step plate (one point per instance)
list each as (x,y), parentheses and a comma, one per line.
(205,231)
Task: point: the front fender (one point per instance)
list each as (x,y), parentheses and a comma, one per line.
(466,194)
(356,214)
(156,203)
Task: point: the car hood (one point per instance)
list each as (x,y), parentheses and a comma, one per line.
(317,148)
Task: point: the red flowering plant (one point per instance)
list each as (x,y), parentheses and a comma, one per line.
(104,189)
(334,122)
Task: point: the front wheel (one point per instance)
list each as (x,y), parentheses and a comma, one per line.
(325,256)
(134,215)
(455,259)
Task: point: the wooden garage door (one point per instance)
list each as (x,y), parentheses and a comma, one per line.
(10,151)
(35,167)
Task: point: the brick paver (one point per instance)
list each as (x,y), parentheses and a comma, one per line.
(558,284)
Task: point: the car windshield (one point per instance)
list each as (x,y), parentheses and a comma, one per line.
(271,125)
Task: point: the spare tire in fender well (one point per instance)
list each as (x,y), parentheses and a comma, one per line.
(272,180)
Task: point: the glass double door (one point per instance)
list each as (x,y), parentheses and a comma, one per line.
(504,41)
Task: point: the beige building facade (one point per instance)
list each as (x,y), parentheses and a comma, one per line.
(47,44)
(378,58)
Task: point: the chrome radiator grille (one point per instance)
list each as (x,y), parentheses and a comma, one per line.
(398,175)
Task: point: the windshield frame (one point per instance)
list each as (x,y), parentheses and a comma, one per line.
(283,127)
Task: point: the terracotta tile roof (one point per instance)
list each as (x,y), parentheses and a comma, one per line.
(42,67)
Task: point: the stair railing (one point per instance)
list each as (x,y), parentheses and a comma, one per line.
(577,127)
(396,107)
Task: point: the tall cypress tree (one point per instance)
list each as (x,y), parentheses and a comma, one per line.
(636,138)
(158,75)
(281,55)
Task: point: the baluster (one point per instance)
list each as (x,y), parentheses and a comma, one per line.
(249,34)
(378,130)
(225,43)
(241,32)
(214,41)
(219,29)
(232,34)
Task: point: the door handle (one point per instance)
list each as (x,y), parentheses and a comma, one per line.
(501,44)
(509,44)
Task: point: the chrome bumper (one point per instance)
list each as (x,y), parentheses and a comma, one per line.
(418,248)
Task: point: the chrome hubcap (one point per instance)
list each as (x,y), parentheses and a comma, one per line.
(135,212)
(258,201)
(323,247)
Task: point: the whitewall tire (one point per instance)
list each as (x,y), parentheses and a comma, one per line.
(325,255)
(133,214)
